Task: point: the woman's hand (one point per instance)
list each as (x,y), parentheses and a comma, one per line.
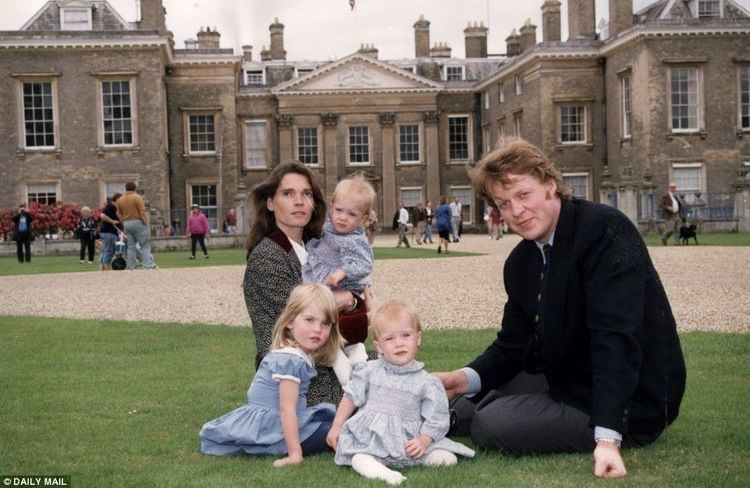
(290,460)
(370,300)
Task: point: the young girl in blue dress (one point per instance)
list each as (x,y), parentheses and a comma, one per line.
(403,414)
(276,419)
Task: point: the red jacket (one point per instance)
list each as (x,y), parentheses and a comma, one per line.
(197,224)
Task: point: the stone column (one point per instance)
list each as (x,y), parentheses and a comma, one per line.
(241,209)
(742,204)
(390,195)
(286,138)
(628,201)
(330,124)
(432,156)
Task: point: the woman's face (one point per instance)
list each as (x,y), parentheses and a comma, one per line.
(292,204)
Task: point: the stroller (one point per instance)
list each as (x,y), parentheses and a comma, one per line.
(119,262)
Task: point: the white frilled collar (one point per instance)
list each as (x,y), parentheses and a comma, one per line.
(297,352)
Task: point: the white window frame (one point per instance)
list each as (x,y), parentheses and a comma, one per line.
(246,150)
(719,11)
(419,143)
(687,191)
(743,121)
(298,72)
(486,97)
(486,138)
(69,10)
(518,123)
(317,144)
(348,145)
(501,92)
(214,223)
(405,201)
(626,105)
(217,131)
(48,184)
(131,80)
(469,202)
(52,80)
(580,174)
(583,123)
(469,138)
(255,71)
(453,67)
(519,84)
(698,103)
(501,129)
(105,185)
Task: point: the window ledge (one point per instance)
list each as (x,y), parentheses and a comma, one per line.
(100,150)
(742,131)
(255,169)
(200,155)
(22,152)
(626,140)
(358,165)
(589,146)
(410,163)
(459,161)
(700,133)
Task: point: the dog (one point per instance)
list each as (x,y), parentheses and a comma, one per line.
(686,232)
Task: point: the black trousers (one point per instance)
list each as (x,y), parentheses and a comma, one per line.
(23,247)
(521,418)
(197,239)
(87,244)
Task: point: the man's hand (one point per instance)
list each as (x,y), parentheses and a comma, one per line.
(455,382)
(608,462)
(416,447)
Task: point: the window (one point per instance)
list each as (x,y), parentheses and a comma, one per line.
(501,129)
(307,145)
(626,115)
(745,97)
(500,93)
(117,113)
(684,99)
(486,138)
(517,123)
(202,134)
(689,179)
(42,194)
(454,73)
(411,197)
(359,145)
(708,8)
(302,72)
(486,97)
(110,188)
(76,19)
(409,143)
(255,77)
(467,201)
(572,124)
(519,84)
(205,196)
(38,115)
(579,182)
(256,144)
(458,137)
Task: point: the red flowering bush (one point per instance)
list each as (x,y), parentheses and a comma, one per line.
(58,218)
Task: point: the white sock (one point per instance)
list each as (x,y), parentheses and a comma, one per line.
(440,457)
(371,468)
(356,353)
(342,367)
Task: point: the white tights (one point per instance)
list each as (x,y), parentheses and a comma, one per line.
(369,467)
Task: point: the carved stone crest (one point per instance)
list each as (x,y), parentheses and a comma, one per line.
(329,119)
(387,118)
(431,116)
(356,76)
(284,120)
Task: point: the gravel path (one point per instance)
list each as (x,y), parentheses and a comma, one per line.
(707,286)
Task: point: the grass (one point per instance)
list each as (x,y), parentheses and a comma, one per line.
(121,403)
(9,265)
(718,239)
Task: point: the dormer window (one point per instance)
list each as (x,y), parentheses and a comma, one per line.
(75,18)
(255,77)
(454,73)
(303,71)
(709,8)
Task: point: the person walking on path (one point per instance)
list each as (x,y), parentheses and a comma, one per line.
(420,217)
(429,214)
(23,235)
(456,214)
(674,214)
(443,220)
(198,229)
(403,226)
(131,211)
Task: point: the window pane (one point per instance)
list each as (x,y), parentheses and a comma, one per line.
(255,144)
(202,133)
(205,196)
(38,114)
(572,124)
(307,145)
(409,143)
(458,138)
(359,145)
(464,196)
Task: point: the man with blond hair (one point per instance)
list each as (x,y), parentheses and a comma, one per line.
(587,357)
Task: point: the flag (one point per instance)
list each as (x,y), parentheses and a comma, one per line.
(351,4)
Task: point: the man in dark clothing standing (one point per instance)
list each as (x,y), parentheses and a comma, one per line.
(23,220)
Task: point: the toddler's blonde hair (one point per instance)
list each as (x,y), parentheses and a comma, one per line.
(358,189)
(302,297)
(393,310)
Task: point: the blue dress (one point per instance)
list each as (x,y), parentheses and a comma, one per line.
(443,218)
(255,428)
(396,403)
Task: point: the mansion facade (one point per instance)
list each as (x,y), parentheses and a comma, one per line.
(93,101)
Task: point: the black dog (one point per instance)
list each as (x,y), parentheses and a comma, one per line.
(686,232)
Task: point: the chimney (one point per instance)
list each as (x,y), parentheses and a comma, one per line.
(369,50)
(551,21)
(152,16)
(247,53)
(620,16)
(265,54)
(422,38)
(528,35)
(208,39)
(440,50)
(475,37)
(581,19)
(513,44)
(277,40)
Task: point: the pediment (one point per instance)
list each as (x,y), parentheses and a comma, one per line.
(357,73)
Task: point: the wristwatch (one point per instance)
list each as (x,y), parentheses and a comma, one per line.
(614,442)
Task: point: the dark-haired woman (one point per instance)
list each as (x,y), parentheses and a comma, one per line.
(288,209)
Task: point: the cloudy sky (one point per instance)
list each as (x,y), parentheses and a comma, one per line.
(329,29)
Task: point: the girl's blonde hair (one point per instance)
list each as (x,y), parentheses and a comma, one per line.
(302,297)
(391,311)
(85,209)
(358,189)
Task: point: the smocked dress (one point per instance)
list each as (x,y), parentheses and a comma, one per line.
(255,428)
(396,403)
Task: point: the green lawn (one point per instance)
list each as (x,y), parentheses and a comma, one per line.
(718,239)
(9,265)
(120,403)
